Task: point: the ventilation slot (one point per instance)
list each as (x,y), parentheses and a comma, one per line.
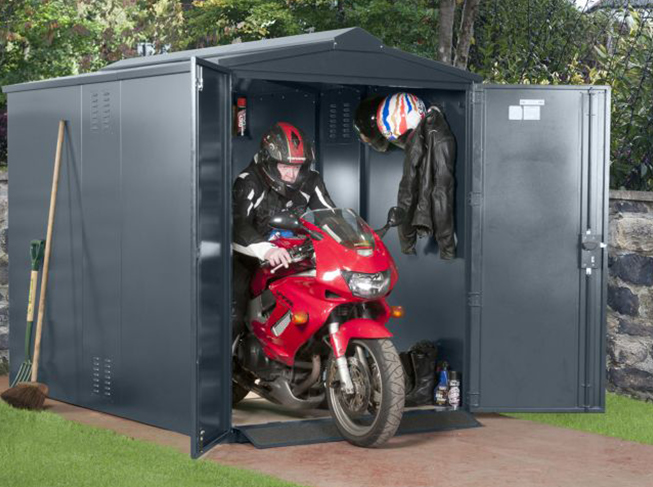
(95,111)
(106,111)
(100,111)
(102,377)
(340,126)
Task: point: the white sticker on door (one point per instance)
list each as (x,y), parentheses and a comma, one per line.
(531,113)
(515,112)
(531,102)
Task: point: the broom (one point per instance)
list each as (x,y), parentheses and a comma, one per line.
(36,252)
(31,395)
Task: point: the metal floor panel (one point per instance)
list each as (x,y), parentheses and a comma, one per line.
(323,430)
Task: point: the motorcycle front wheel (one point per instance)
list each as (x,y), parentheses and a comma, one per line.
(371,415)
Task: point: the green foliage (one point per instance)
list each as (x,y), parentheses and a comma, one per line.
(627,65)
(42,40)
(625,418)
(215,22)
(531,41)
(408,25)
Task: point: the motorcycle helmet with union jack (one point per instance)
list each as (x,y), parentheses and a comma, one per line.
(384,120)
(398,114)
(284,143)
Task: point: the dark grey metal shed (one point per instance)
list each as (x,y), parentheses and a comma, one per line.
(138,307)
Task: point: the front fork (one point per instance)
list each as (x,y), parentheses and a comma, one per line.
(341,359)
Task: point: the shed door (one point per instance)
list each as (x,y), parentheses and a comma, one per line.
(539,193)
(211,350)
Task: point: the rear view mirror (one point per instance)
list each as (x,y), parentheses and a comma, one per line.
(289,221)
(285,221)
(396,216)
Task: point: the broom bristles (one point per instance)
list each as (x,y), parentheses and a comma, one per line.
(26,395)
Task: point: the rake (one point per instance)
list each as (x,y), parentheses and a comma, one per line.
(37,248)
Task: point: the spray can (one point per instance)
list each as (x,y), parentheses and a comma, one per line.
(453,397)
(241,116)
(442,388)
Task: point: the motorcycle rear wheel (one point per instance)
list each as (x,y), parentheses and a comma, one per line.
(238,393)
(371,415)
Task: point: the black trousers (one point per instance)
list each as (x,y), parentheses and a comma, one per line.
(243,270)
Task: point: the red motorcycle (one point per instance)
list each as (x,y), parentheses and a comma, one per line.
(316,329)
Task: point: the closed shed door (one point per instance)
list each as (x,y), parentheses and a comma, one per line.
(536,310)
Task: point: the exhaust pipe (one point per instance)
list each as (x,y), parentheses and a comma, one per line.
(311,379)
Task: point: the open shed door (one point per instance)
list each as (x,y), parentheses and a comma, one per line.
(211,343)
(539,206)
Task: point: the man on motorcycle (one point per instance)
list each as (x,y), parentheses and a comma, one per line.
(278,178)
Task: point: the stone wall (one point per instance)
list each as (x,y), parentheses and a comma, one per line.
(4,278)
(630,294)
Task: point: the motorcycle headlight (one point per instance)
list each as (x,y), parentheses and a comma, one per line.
(368,285)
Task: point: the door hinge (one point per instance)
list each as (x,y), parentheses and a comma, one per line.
(474,198)
(200,441)
(199,79)
(474,299)
(586,395)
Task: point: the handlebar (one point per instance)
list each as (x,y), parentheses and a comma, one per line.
(297,254)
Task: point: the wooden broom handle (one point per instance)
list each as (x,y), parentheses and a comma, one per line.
(48,247)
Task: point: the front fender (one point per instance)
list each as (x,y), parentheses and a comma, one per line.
(358,328)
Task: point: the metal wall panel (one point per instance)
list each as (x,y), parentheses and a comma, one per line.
(101,224)
(155,243)
(340,149)
(211,347)
(265,109)
(534,181)
(432,290)
(33,126)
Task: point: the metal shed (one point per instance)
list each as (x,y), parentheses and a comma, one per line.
(137,318)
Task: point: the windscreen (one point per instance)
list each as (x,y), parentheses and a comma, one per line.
(344,226)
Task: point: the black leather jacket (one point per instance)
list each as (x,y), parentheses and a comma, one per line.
(255,202)
(426,188)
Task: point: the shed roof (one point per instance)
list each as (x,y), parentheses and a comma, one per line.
(328,53)
(342,56)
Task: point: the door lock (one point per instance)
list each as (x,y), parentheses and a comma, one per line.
(591,248)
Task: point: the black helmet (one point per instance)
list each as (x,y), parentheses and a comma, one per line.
(284,143)
(366,125)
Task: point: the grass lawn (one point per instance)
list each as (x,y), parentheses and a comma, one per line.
(44,450)
(625,418)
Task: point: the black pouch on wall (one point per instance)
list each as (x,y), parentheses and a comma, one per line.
(419,370)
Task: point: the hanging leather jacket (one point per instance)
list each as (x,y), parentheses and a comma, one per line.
(426,188)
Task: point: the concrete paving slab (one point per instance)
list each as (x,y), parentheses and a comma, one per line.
(506,452)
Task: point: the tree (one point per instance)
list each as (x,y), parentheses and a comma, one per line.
(447,16)
(627,66)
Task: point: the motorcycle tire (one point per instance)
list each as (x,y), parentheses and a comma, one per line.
(379,427)
(238,393)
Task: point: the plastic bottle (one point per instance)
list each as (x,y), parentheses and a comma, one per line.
(241,116)
(453,397)
(442,388)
